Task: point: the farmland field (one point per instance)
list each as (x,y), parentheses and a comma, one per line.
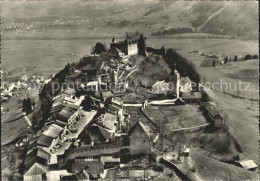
(49,56)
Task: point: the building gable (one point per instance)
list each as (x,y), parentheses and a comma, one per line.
(36,169)
(139,130)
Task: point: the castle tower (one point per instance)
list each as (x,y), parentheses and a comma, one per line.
(141,44)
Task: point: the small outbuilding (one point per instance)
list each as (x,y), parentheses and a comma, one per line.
(248,164)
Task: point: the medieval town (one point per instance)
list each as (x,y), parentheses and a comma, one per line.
(104,124)
(128,90)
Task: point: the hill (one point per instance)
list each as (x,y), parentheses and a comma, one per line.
(238,19)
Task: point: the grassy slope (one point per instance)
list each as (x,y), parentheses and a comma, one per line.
(243,123)
(152,72)
(210,169)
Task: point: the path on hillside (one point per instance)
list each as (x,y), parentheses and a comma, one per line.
(213,15)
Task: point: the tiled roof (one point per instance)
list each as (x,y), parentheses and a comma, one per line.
(97,133)
(45,140)
(185,80)
(132,39)
(144,127)
(248,164)
(53,130)
(91,167)
(211,109)
(38,155)
(68,111)
(69,91)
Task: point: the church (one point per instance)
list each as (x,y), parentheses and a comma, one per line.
(132,45)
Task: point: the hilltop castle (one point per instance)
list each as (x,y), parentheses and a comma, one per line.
(132,45)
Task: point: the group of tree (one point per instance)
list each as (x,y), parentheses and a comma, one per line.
(160,51)
(248,57)
(173,31)
(88,104)
(99,48)
(235,59)
(52,89)
(183,66)
(27,105)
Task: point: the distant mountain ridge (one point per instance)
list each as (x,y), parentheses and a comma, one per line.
(238,19)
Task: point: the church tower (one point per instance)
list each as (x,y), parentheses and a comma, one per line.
(176,82)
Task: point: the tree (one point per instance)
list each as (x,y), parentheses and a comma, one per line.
(163,51)
(213,63)
(142,66)
(27,105)
(99,48)
(235,58)
(33,103)
(87,103)
(184,67)
(141,45)
(157,58)
(146,59)
(226,60)
(255,57)
(24,105)
(248,57)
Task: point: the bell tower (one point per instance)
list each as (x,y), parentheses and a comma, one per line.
(176,80)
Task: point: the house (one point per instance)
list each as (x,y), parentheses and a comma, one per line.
(160,87)
(97,134)
(36,165)
(185,84)
(68,177)
(110,160)
(139,139)
(56,107)
(186,152)
(53,130)
(176,154)
(191,96)
(213,115)
(87,170)
(247,164)
(45,141)
(106,95)
(24,78)
(69,92)
(69,114)
(109,121)
(87,151)
(103,81)
(89,74)
(75,76)
(92,86)
(132,45)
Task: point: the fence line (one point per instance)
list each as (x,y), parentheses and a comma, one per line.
(194,127)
